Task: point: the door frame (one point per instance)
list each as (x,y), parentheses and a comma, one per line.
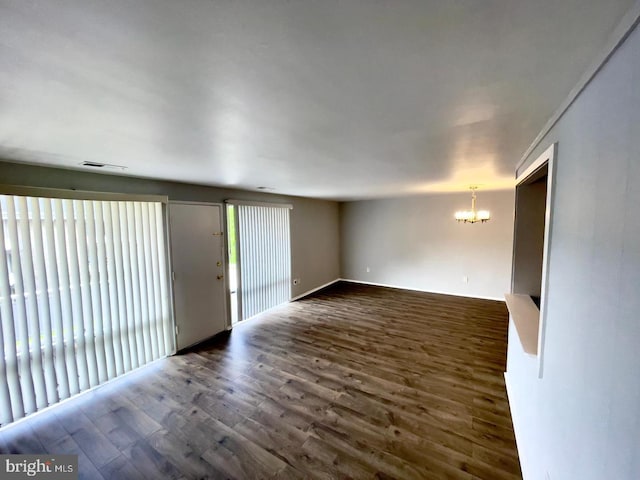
(225,253)
(238,263)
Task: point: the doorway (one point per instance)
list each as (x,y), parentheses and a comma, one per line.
(197,258)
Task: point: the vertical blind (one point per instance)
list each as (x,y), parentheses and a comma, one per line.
(83,296)
(265,258)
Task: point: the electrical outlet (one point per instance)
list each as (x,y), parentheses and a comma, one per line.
(465,279)
(296,281)
(368,269)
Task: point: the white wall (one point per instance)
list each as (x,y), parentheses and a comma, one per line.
(315,249)
(582,419)
(414,242)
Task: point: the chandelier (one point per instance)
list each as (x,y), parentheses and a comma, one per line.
(473,215)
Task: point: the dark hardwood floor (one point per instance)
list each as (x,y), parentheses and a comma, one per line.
(352,382)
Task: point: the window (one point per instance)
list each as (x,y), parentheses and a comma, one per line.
(259,257)
(83,295)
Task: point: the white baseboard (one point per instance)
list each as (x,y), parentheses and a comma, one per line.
(374,284)
(514,420)
(508,389)
(314,290)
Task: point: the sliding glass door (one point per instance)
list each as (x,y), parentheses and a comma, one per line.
(83,296)
(259,257)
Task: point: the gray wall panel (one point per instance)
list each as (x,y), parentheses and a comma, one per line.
(582,419)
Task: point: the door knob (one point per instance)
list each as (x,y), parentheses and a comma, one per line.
(220,277)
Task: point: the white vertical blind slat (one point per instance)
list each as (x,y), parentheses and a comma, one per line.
(262,253)
(127,231)
(140,288)
(248,281)
(66,297)
(286,240)
(93,289)
(274,264)
(164,284)
(106,331)
(257,270)
(148,263)
(73,224)
(117,222)
(242,248)
(246,262)
(112,289)
(249,296)
(157,297)
(6,410)
(20,315)
(274,260)
(151,344)
(268,276)
(282,277)
(44,310)
(55,306)
(15,406)
(127,272)
(86,328)
(255,253)
(31,303)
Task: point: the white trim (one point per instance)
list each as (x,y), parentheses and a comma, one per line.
(386,285)
(258,204)
(184,202)
(616,39)
(67,194)
(307,293)
(508,388)
(236,234)
(548,226)
(169,262)
(548,157)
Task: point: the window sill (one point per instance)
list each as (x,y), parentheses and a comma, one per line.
(526,317)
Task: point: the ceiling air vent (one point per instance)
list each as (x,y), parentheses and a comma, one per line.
(106,166)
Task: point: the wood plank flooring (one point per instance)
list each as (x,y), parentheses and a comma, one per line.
(352,382)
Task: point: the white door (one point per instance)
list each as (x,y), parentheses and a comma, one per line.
(197,257)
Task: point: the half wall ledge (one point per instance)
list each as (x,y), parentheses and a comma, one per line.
(526,317)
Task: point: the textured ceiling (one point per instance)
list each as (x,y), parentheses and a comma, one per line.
(336,99)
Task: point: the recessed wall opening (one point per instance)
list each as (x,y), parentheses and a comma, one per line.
(528,248)
(532,231)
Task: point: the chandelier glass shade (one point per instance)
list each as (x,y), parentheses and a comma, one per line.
(473,215)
